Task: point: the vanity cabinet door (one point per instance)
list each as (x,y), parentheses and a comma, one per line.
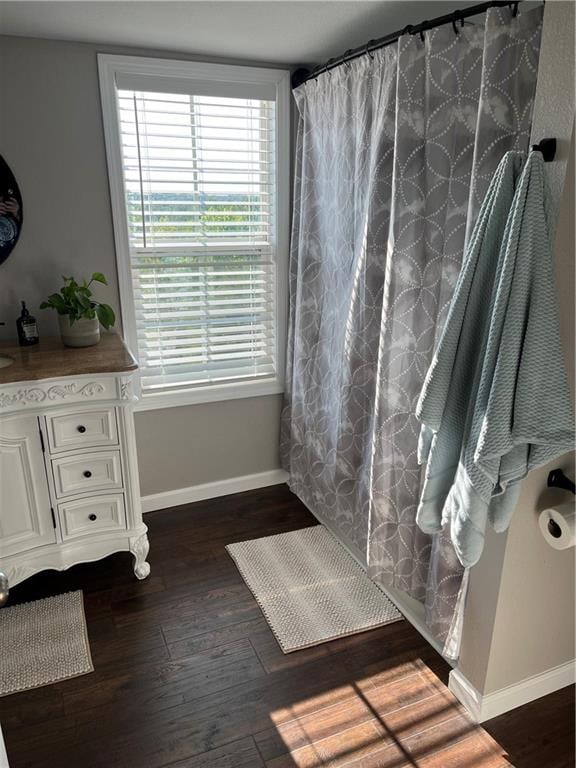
(25,516)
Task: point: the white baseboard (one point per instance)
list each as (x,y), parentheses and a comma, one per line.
(212,490)
(482,708)
(413,611)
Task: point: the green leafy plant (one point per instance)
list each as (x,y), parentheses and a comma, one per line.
(75,300)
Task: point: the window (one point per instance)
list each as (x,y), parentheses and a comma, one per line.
(198,166)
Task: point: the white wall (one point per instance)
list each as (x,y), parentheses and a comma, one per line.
(51,136)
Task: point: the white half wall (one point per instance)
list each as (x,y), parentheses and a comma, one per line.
(518,641)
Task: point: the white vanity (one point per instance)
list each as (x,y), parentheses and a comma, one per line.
(69,490)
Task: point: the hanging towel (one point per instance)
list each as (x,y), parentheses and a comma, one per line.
(495,403)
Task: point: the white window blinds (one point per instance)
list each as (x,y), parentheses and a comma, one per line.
(199,182)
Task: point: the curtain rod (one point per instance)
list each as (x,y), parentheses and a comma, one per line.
(302,75)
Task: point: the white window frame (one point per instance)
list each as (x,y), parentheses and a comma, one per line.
(110,67)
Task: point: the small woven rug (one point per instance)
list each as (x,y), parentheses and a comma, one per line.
(43,642)
(309,588)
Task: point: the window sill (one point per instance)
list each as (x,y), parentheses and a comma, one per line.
(210,394)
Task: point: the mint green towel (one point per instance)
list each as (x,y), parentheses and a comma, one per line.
(495,403)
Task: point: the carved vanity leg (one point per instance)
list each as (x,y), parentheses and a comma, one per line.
(139,548)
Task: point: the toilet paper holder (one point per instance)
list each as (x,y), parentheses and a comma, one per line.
(557,479)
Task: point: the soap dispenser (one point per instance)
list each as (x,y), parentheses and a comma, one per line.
(27,328)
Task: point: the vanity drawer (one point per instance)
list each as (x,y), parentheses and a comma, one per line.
(83,517)
(97,471)
(82,429)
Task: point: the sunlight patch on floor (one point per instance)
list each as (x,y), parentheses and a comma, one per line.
(400,717)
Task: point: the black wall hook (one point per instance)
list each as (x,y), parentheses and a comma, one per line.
(557,479)
(548,149)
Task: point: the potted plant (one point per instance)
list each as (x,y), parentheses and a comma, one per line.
(79,315)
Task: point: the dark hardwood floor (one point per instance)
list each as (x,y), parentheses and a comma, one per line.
(188,675)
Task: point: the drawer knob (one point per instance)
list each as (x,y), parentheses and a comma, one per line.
(92,516)
(87,473)
(81,429)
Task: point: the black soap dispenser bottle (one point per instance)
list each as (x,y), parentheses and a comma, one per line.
(27,328)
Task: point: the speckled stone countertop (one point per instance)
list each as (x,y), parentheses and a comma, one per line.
(51,359)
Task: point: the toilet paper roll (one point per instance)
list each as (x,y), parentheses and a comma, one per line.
(558,525)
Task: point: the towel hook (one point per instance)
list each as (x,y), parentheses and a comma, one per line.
(548,149)
(557,479)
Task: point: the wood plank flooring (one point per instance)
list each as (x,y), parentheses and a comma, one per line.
(188,675)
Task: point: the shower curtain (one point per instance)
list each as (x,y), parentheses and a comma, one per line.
(395,151)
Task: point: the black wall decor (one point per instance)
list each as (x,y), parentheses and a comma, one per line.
(11,212)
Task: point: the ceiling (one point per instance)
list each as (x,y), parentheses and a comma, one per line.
(297,32)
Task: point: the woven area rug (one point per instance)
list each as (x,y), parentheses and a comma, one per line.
(43,642)
(309,588)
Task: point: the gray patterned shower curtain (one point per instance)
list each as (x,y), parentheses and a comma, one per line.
(395,151)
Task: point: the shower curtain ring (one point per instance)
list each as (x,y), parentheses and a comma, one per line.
(368,51)
(422,33)
(328,66)
(514,10)
(347,61)
(455,17)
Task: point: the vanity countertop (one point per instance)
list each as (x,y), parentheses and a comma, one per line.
(51,359)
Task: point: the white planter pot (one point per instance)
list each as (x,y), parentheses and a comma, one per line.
(80,333)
